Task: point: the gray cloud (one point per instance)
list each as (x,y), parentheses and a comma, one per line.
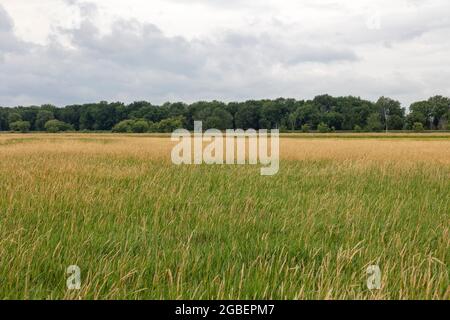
(137,61)
(8,42)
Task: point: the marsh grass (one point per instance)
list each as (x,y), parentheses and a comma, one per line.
(140,227)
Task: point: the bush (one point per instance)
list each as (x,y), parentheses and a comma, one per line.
(140,126)
(357,129)
(306,128)
(54,126)
(20,126)
(168,125)
(323,128)
(132,126)
(374,123)
(418,127)
(123,126)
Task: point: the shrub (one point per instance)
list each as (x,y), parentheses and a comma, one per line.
(323,128)
(123,126)
(374,123)
(140,126)
(418,127)
(357,128)
(57,126)
(20,126)
(306,128)
(134,125)
(169,125)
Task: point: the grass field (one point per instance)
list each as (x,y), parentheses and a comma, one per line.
(140,227)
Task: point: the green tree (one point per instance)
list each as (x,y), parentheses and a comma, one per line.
(418,127)
(20,126)
(169,125)
(140,126)
(422,109)
(323,128)
(247,117)
(414,117)
(123,126)
(306,128)
(374,123)
(392,115)
(440,107)
(43,116)
(54,126)
(14,117)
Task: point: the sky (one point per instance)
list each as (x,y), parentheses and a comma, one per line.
(77,51)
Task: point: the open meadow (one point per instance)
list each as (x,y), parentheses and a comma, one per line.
(140,227)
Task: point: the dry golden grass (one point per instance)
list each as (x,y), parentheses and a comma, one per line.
(400,151)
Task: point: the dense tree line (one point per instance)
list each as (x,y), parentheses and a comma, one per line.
(324,113)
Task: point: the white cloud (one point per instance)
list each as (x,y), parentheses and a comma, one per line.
(159,50)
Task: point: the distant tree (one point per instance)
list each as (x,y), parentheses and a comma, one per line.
(395,122)
(418,127)
(272,114)
(169,125)
(14,117)
(140,126)
(123,126)
(3,119)
(325,102)
(292,120)
(308,113)
(422,111)
(342,113)
(323,128)
(177,109)
(306,128)
(247,117)
(392,115)
(374,123)
(43,116)
(415,117)
(20,126)
(54,126)
(440,107)
(148,111)
(333,119)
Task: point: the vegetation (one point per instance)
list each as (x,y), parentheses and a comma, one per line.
(323,128)
(418,127)
(306,128)
(57,126)
(20,126)
(340,113)
(140,227)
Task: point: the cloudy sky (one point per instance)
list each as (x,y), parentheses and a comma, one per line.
(76,51)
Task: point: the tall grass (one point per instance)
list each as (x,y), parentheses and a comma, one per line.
(140,227)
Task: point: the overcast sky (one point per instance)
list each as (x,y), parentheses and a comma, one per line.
(77,51)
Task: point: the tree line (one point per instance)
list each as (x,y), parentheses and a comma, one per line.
(324,113)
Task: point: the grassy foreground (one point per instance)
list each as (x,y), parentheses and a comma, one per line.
(140,227)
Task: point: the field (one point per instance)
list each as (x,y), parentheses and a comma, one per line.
(140,227)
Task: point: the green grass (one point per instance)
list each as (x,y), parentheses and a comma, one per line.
(151,230)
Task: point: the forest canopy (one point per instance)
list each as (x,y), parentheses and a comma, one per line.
(324,113)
